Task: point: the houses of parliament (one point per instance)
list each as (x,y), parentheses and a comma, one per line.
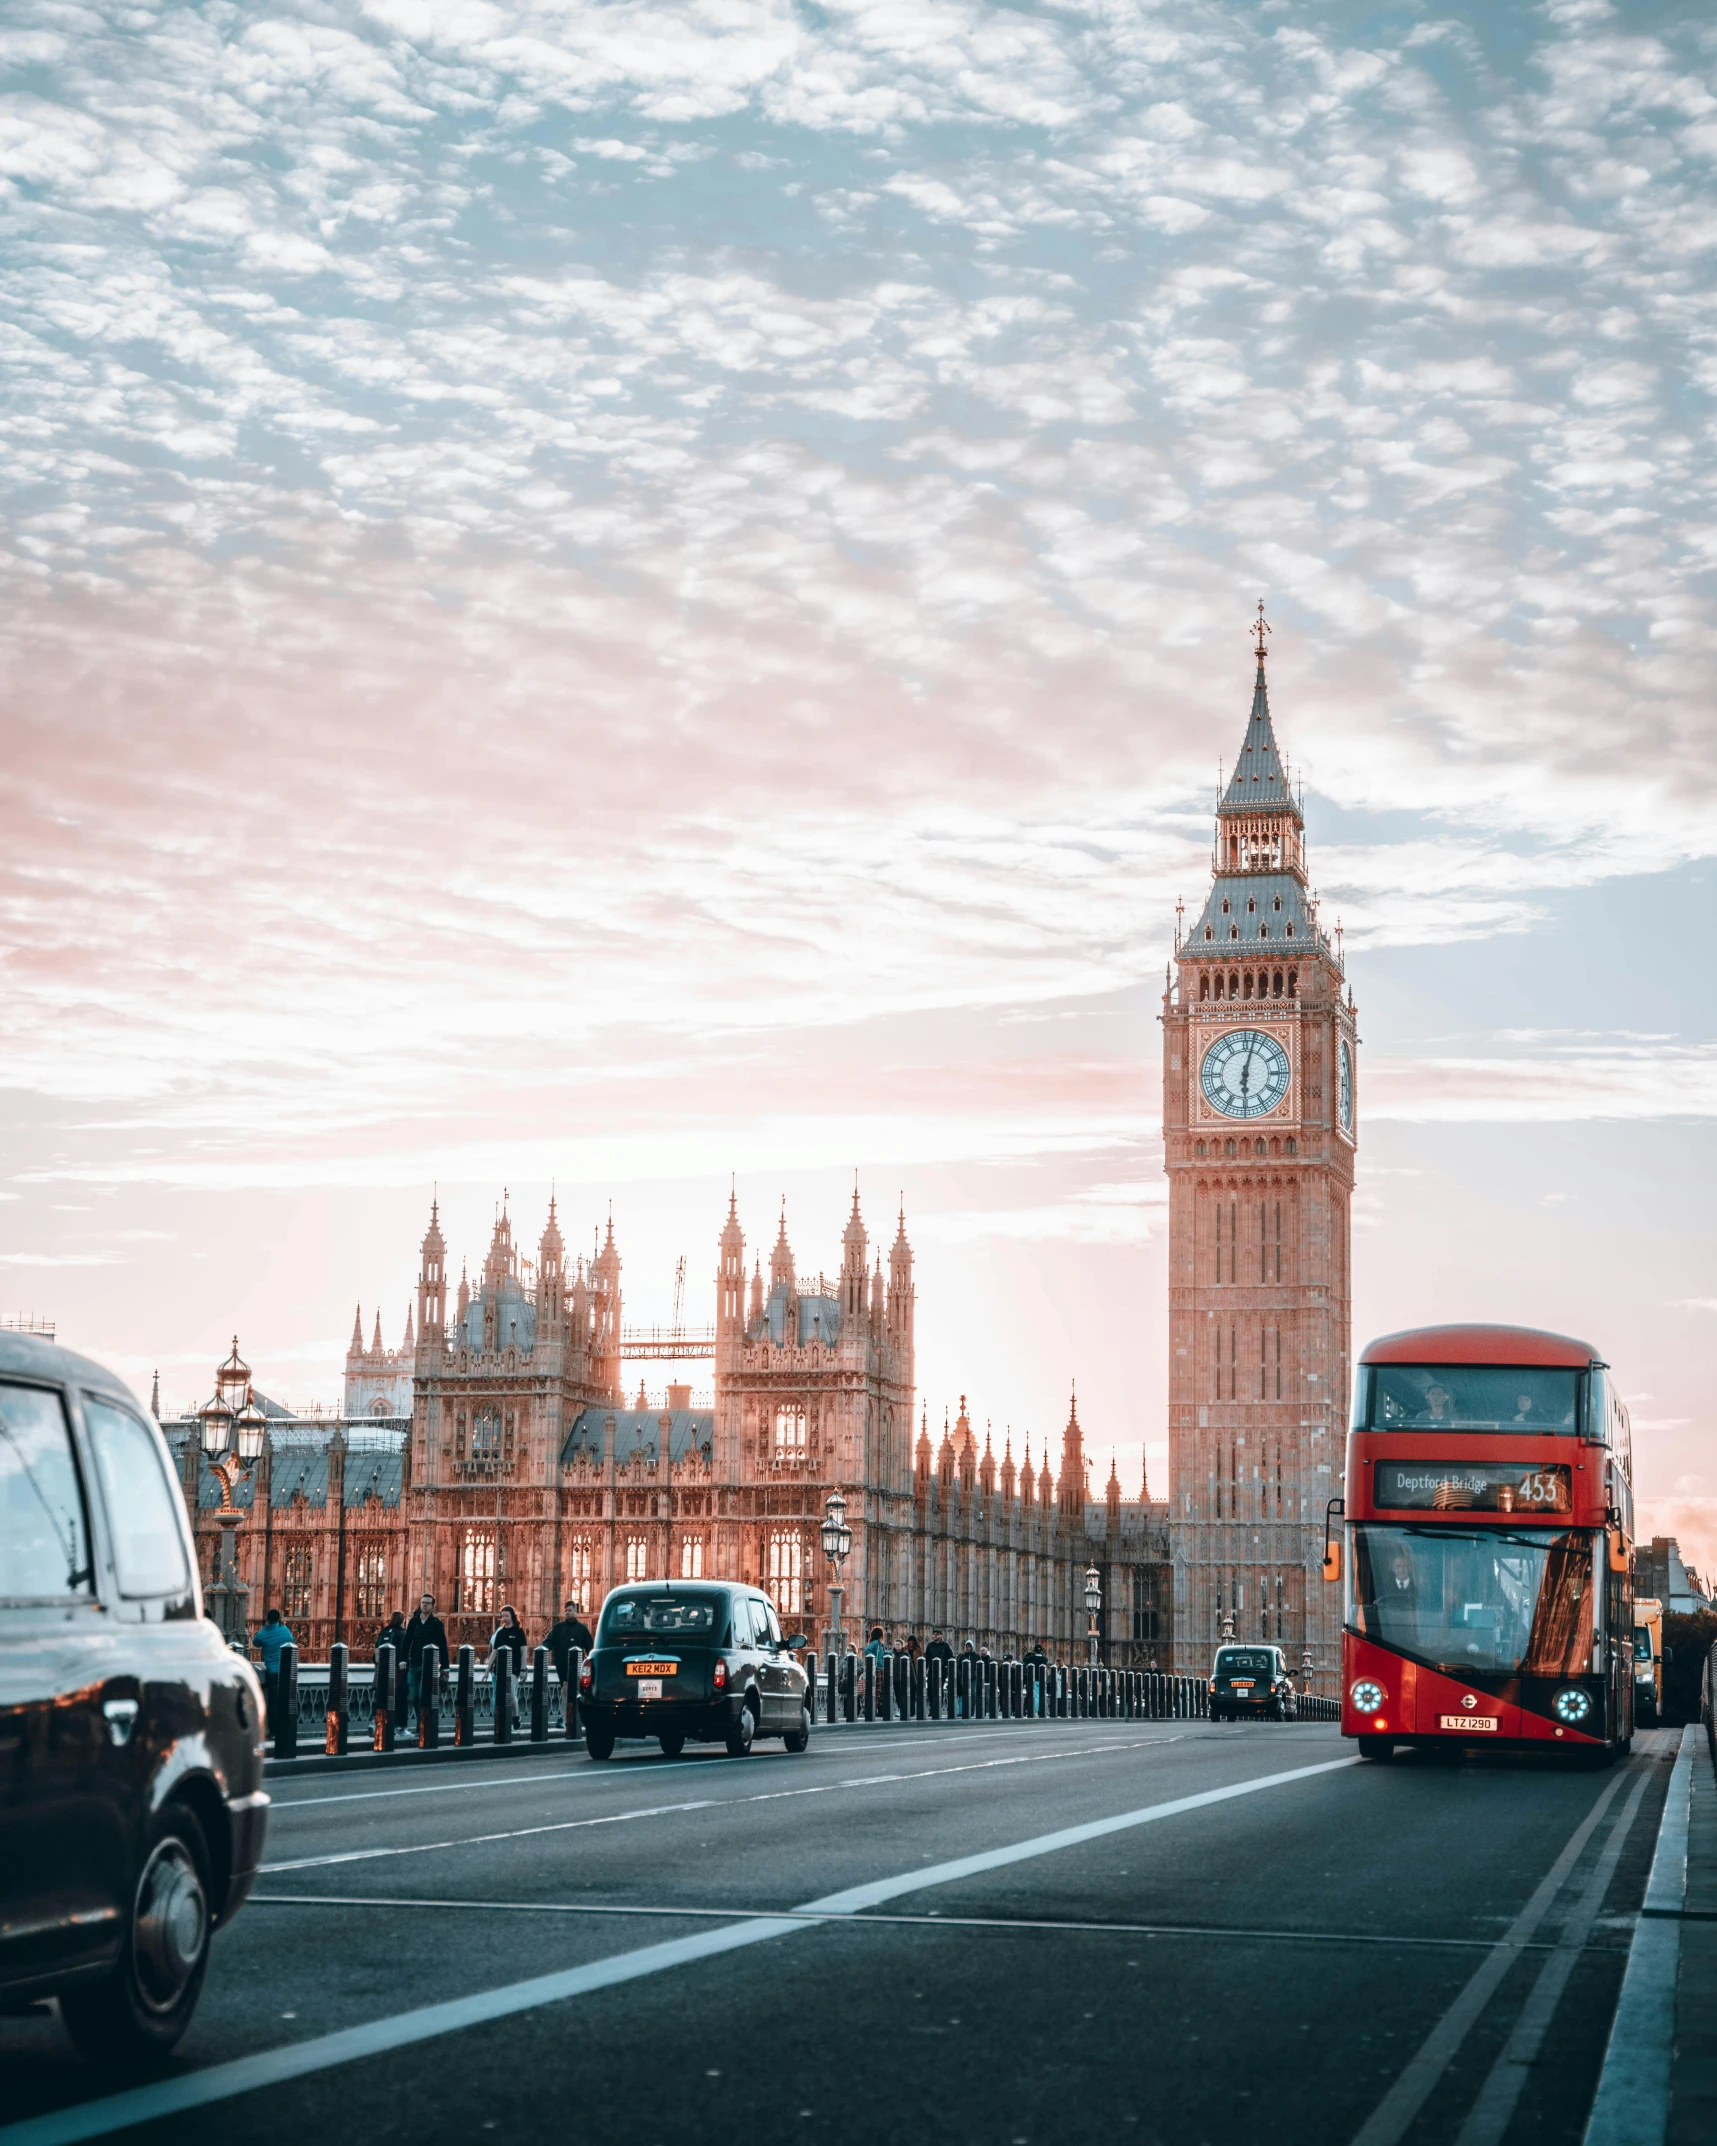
(495,1456)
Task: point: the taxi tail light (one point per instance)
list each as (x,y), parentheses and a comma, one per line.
(720,1674)
(586,1674)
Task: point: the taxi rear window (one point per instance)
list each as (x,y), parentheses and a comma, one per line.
(629,1614)
(1234,1662)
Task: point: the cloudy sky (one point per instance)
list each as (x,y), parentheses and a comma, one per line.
(626,593)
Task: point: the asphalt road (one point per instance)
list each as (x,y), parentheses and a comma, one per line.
(1165,1932)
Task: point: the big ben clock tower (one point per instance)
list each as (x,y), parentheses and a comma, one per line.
(1260,1106)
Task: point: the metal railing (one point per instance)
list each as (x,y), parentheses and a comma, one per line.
(338,1705)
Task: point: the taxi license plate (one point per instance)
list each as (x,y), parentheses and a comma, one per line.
(1242,1685)
(649,1687)
(1480,1722)
(651,1669)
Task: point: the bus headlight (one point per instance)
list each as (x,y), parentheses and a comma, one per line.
(1368,1697)
(1572,1706)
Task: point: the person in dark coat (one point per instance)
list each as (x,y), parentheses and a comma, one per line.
(392,1634)
(425,1630)
(509,1638)
(570,1632)
(938,1649)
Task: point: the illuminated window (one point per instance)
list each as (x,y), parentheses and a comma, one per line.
(637,1557)
(786,1568)
(486,1434)
(295,1601)
(790,1430)
(476,1588)
(372,1580)
(691,1557)
(578,1565)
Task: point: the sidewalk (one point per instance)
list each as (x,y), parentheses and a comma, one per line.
(1693,2070)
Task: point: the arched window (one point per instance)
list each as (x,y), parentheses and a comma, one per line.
(1292,1145)
(1293,983)
(1199,1149)
(1290,927)
(1232,1149)
(637,1557)
(1263,931)
(1234,931)
(691,1557)
(1246,984)
(1260,1148)
(1225,905)
(1234,983)
(786,1573)
(1204,987)
(1276,984)
(790,1430)
(1251,906)
(1210,931)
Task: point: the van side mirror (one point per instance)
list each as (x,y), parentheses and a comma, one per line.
(1332,1560)
(798,1643)
(1618,1551)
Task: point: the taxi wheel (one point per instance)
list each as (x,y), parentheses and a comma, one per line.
(140,2011)
(599,1742)
(740,1735)
(799,1739)
(673,1743)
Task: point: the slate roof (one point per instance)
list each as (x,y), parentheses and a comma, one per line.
(1259,781)
(639,1429)
(819,1319)
(515,1319)
(298,1460)
(1254,927)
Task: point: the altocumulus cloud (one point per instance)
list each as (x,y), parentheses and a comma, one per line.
(536,532)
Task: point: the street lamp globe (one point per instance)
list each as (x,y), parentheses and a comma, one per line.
(1093,1589)
(248,1429)
(216,1420)
(837,1536)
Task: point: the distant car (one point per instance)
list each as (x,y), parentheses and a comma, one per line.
(693,1663)
(1247,1681)
(131,1736)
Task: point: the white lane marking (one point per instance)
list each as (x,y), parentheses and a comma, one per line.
(1488,2118)
(1389,2121)
(596,1776)
(478,1840)
(1631,2106)
(272,2067)
(935,1920)
(708,1803)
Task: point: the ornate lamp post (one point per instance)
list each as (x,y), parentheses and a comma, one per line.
(233,1428)
(1308,1668)
(1227,1632)
(837,1541)
(1093,1607)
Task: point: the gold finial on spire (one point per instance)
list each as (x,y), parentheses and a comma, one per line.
(1260,630)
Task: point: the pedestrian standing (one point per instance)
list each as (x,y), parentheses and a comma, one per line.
(876,1646)
(570,1632)
(509,1638)
(272,1634)
(425,1630)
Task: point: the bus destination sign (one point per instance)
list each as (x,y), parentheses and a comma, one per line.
(1438,1486)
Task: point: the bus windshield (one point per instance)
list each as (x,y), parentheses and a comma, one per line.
(1472,1397)
(1478,1601)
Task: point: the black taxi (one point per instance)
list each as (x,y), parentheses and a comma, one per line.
(1251,1681)
(131,1737)
(693,1661)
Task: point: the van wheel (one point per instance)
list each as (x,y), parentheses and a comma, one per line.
(673,1743)
(799,1739)
(740,1735)
(599,1742)
(1376,1747)
(138,2013)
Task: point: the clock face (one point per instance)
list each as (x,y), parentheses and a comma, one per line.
(1245,1073)
(1344,1087)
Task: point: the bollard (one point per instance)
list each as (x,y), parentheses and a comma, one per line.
(574,1685)
(286,1704)
(832,1711)
(869,1686)
(387,1673)
(539,1695)
(429,1700)
(1016,1679)
(464,1698)
(990,1699)
(885,1686)
(963,1686)
(501,1678)
(337,1679)
(933,1688)
(402,1693)
(849,1687)
(917,1687)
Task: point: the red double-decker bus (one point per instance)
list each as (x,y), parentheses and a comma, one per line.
(1487,1524)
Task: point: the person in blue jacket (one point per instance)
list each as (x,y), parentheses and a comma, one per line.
(272,1634)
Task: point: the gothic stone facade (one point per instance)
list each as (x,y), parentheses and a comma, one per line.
(1260,1107)
(521,1475)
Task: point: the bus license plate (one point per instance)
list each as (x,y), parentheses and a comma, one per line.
(1480,1722)
(649,1687)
